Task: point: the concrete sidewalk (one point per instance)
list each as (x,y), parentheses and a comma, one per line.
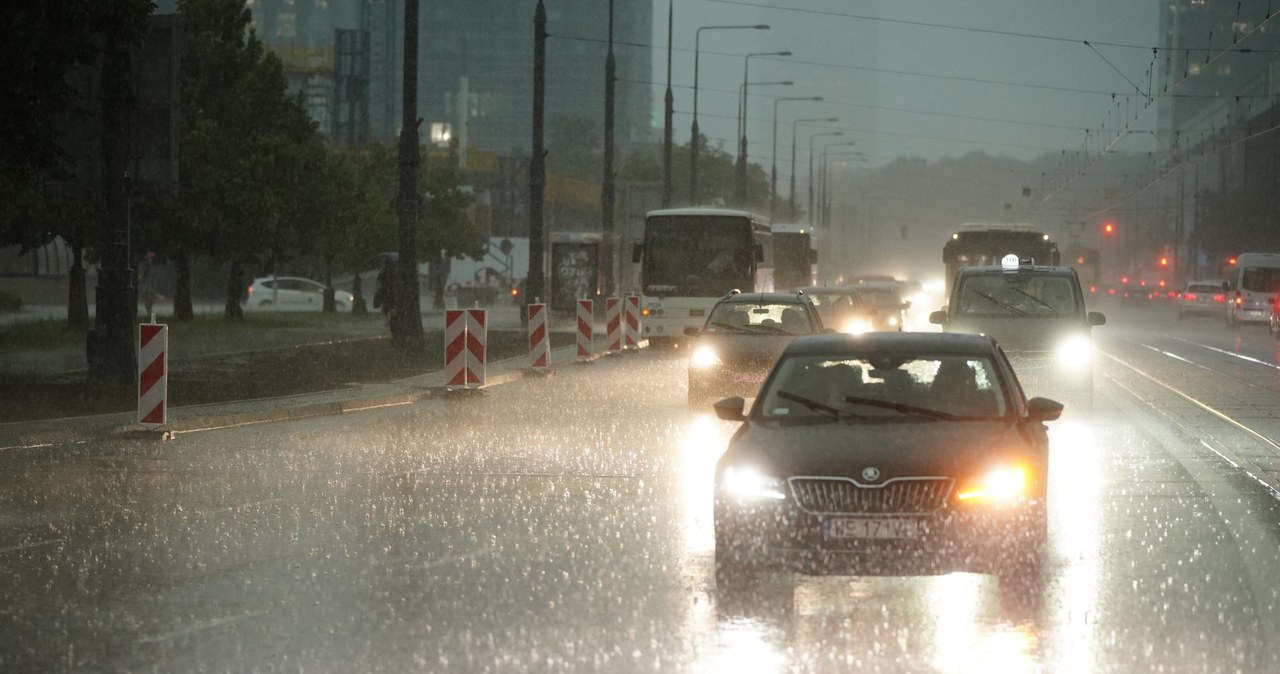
(350,399)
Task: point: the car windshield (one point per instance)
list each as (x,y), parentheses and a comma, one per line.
(759,319)
(879,297)
(884,387)
(1017,294)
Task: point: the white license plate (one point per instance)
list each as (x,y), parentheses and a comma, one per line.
(870,527)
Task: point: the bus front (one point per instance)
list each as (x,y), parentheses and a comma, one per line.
(688,260)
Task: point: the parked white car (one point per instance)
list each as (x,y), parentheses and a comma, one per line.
(292,293)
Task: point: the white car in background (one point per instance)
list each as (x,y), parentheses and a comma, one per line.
(292,293)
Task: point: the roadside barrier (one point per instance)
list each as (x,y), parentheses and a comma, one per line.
(465,341)
(539,349)
(586,328)
(153,374)
(633,322)
(613,319)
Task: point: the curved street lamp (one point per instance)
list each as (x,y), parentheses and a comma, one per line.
(740,184)
(773,171)
(693,142)
(794,125)
(809,214)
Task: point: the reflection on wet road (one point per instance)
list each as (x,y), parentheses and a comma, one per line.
(564,525)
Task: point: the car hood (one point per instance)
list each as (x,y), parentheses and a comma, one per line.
(905,449)
(1022,334)
(732,349)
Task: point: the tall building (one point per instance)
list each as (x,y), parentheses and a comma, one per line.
(475,66)
(1217,94)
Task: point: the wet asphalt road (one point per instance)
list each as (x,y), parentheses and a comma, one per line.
(564,525)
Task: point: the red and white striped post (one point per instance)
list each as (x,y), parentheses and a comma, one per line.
(539,350)
(465,341)
(633,322)
(613,319)
(153,374)
(586,328)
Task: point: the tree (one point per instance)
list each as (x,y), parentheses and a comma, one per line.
(446,230)
(249,150)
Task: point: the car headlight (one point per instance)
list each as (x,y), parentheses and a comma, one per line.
(703,357)
(1000,484)
(751,483)
(1074,351)
(856,326)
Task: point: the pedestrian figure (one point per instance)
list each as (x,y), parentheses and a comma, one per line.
(384,297)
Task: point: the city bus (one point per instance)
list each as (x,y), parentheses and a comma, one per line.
(691,257)
(795,256)
(977,245)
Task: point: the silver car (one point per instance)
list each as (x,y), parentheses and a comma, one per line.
(292,293)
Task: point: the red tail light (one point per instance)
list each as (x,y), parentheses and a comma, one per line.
(1219,298)
(1190,297)
(1239,300)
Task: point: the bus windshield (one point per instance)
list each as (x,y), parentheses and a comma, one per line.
(697,256)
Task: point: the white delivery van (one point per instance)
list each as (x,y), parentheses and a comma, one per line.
(1252,288)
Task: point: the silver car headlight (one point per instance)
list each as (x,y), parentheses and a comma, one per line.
(748,482)
(703,357)
(1074,352)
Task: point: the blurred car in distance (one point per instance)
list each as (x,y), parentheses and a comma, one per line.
(841,309)
(743,334)
(1203,298)
(883,298)
(885,454)
(292,293)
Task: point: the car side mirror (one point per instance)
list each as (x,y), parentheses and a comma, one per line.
(939,318)
(1043,409)
(692,331)
(1097,318)
(731,409)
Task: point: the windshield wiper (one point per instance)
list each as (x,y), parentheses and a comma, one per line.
(1008,307)
(1037,300)
(817,406)
(903,408)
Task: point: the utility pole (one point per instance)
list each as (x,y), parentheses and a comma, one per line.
(406,317)
(668,111)
(111,355)
(537,163)
(606,187)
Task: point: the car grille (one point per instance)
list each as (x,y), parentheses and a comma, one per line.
(844,496)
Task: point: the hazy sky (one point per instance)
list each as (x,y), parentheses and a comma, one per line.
(915,77)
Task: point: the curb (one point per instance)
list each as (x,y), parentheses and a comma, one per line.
(214,416)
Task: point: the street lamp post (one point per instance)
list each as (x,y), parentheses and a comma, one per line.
(794,125)
(740,184)
(773,171)
(809,214)
(693,142)
(824,198)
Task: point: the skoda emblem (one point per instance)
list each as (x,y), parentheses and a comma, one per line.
(871,473)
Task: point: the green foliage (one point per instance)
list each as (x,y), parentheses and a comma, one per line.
(445,226)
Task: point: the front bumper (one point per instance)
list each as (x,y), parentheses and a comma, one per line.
(778,535)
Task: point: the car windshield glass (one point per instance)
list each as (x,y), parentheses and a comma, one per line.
(877,297)
(759,318)
(880,387)
(1004,294)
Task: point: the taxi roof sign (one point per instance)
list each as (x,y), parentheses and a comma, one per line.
(1009,262)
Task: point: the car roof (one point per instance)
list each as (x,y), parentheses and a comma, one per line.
(942,343)
(1031,269)
(765,298)
(826,290)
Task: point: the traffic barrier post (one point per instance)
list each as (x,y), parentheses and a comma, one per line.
(633,322)
(613,319)
(465,343)
(153,375)
(586,328)
(539,350)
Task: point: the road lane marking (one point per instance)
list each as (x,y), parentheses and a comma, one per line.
(1230,353)
(28,546)
(200,627)
(1171,355)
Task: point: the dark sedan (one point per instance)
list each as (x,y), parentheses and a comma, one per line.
(885,454)
(743,334)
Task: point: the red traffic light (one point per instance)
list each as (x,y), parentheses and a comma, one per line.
(1108,228)
(1164,261)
